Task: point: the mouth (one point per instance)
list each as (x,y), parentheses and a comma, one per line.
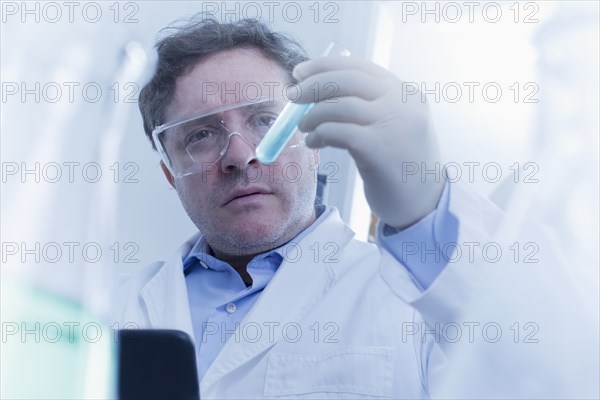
(245,196)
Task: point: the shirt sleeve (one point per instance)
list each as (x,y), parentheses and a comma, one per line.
(425,247)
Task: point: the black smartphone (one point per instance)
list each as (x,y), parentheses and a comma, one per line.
(157,364)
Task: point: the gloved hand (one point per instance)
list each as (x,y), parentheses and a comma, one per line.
(387,136)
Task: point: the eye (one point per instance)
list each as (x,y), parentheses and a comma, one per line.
(267,120)
(262,122)
(200,135)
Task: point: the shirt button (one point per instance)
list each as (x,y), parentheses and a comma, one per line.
(230,308)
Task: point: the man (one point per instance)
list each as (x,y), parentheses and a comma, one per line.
(278,296)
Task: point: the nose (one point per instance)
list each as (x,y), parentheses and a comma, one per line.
(238,153)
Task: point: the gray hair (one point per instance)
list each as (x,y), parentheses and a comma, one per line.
(183,47)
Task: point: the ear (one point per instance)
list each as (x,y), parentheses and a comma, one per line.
(168,174)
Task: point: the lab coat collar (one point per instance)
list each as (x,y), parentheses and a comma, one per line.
(165,294)
(298,285)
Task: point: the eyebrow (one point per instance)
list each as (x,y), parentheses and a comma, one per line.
(265,105)
(250,108)
(269,105)
(205,120)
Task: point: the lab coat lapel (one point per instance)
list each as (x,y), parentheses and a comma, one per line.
(165,294)
(296,288)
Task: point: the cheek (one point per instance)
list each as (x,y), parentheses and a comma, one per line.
(291,174)
(299,175)
(298,165)
(195,192)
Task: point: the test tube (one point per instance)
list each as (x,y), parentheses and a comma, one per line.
(286,123)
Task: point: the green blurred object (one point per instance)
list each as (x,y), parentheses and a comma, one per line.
(52,348)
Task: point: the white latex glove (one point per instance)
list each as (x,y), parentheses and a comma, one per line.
(384,134)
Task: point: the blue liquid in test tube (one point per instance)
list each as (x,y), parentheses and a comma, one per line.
(281,132)
(286,123)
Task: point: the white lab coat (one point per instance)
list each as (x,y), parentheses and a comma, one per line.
(335,328)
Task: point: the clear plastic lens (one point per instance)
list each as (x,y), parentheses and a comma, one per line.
(190,144)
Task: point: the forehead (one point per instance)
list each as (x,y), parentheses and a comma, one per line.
(227,77)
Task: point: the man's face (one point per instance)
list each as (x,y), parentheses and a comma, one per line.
(241,206)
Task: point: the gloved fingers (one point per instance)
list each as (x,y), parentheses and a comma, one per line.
(334,63)
(359,140)
(341,83)
(345,109)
